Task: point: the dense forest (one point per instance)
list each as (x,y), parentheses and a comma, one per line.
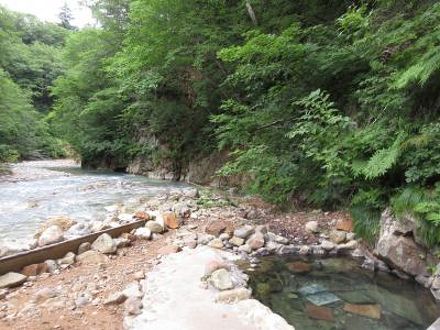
(331,104)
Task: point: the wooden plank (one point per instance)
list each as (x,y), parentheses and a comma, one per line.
(16,262)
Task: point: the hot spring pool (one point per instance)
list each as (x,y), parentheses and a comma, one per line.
(336,293)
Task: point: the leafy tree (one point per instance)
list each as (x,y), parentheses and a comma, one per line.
(66,17)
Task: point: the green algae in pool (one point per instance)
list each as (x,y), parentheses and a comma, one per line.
(336,293)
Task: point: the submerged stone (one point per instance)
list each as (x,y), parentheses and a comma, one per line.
(299,267)
(371,311)
(319,312)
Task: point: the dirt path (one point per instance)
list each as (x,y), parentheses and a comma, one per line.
(26,308)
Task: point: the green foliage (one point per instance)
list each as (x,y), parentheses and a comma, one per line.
(325,104)
(29,62)
(424,204)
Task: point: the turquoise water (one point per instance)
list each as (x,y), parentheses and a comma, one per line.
(294,287)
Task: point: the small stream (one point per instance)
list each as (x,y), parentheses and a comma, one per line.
(336,293)
(42,189)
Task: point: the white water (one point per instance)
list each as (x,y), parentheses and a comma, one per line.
(42,189)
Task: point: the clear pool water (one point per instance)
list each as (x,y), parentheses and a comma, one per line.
(350,297)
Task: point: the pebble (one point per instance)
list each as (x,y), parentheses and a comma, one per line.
(116,299)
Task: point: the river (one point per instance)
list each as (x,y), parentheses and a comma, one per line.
(38,190)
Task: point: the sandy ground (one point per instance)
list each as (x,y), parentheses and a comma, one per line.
(60,312)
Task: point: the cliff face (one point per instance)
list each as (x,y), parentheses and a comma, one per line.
(200,170)
(401,247)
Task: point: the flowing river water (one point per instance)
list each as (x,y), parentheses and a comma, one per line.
(41,189)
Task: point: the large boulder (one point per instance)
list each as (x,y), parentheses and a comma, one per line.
(63,222)
(171,220)
(53,234)
(397,247)
(92,257)
(217,227)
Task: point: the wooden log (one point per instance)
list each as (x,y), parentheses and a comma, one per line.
(16,262)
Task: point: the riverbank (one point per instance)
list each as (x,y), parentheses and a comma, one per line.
(74,294)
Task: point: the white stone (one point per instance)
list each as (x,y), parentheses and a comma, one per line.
(312,227)
(327,245)
(221,279)
(51,235)
(143,233)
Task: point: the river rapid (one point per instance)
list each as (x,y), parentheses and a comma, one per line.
(39,190)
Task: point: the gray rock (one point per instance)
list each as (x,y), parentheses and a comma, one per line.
(327,245)
(224,236)
(381,266)
(92,257)
(312,227)
(133,306)
(104,244)
(221,280)
(155,226)
(216,243)
(256,241)
(350,236)
(397,248)
(83,299)
(53,234)
(86,246)
(68,259)
(244,231)
(234,295)
(304,250)
(236,241)
(45,294)
(337,236)
(204,238)
(52,266)
(245,248)
(122,242)
(347,247)
(424,280)
(11,280)
(143,233)
(281,240)
(272,246)
(116,298)
(261,229)
(435,325)
(288,249)
(357,253)
(133,290)
(368,264)
(400,274)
